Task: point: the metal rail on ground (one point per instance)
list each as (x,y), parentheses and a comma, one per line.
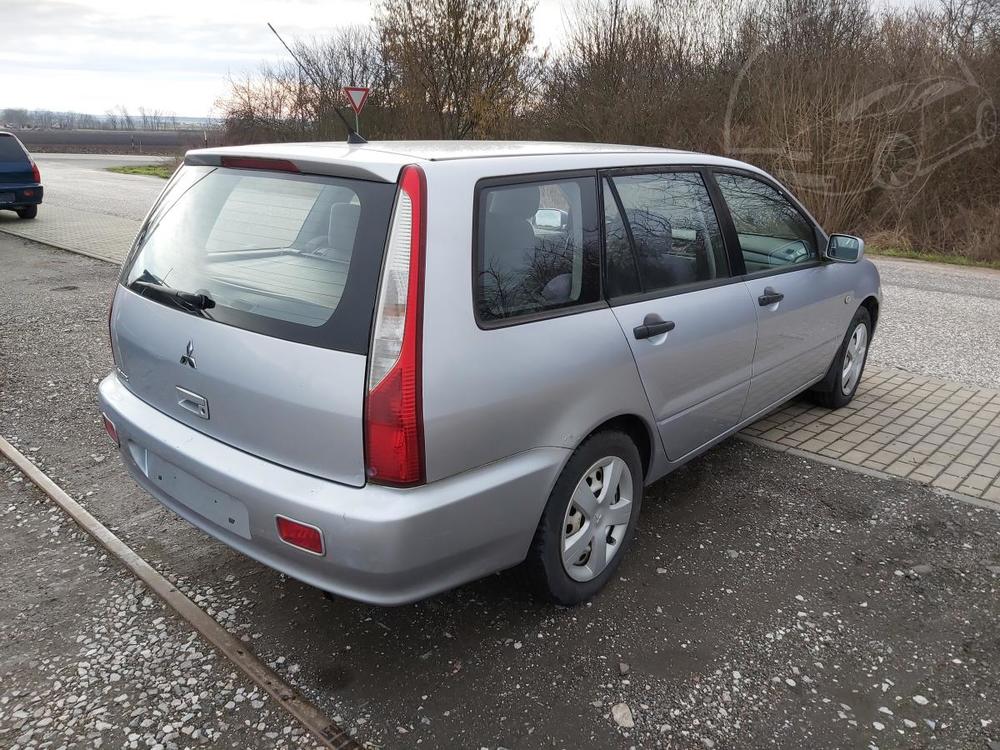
(326,732)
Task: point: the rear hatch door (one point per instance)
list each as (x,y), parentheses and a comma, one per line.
(272,356)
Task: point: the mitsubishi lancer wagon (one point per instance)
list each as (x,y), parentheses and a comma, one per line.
(387,369)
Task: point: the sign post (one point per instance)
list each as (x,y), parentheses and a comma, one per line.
(357,96)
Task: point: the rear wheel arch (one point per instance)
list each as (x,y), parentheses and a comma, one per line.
(637,429)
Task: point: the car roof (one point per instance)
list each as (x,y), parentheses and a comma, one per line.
(447,150)
(382,160)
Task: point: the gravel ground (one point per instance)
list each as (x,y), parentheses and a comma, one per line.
(768,602)
(89,658)
(939,320)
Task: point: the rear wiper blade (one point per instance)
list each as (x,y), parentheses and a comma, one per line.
(189,300)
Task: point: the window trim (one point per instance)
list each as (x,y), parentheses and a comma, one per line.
(731,275)
(528,178)
(603,213)
(819,235)
(737,265)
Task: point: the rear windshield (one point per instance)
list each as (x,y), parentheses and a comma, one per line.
(10,149)
(286,255)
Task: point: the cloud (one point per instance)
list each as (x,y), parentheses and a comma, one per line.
(170,55)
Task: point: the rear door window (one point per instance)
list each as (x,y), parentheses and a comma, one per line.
(286,255)
(537,248)
(661,233)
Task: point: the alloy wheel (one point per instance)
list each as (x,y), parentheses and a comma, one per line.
(854,359)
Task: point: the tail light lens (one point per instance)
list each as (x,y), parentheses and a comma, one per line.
(394,440)
(35,174)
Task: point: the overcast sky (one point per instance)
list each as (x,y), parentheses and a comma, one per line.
(171,55)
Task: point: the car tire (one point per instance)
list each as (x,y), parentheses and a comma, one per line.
(604,458)
(28,213)
(844,375)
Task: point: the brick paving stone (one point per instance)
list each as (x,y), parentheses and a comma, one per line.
(911,426)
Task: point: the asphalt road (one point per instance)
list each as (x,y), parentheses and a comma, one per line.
(85,207)
(768,601)
(940,320)
(81,182)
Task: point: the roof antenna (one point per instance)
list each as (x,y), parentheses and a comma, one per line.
(352,135)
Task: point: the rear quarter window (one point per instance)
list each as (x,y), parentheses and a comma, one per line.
(287,255)
(537,248)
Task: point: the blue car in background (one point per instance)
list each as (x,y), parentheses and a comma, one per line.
(20,182)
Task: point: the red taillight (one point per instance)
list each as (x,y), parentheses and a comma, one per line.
(110,428)
(394,439)
(253,162)
(300,535)
(35,174)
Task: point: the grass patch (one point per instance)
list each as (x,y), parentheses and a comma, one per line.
(954,260)
(148,170)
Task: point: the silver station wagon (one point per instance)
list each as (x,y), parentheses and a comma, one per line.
(387,369)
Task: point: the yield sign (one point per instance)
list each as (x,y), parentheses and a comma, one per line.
(356,97)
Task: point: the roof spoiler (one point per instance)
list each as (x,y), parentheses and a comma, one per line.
(374,172)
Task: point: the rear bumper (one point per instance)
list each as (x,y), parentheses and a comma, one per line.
(24,195)
(384,546)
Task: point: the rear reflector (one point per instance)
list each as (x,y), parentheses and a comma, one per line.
(110,428)
(394,433)
(253,162)
(300,535)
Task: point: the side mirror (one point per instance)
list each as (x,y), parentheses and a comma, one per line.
(844,248)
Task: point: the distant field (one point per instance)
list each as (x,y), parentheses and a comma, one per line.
(154,142)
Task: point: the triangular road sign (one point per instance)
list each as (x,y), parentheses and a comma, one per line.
(356,97)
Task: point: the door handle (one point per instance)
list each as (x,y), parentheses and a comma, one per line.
(652,325)
(769,297)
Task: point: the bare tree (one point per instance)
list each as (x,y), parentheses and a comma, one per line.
(125,120)
(17,118)
(459,68)
(280,102)
(883,120)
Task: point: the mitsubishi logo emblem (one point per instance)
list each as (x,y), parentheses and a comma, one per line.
(188,357)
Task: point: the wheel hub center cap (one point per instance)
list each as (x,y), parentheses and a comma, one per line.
(597,517)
